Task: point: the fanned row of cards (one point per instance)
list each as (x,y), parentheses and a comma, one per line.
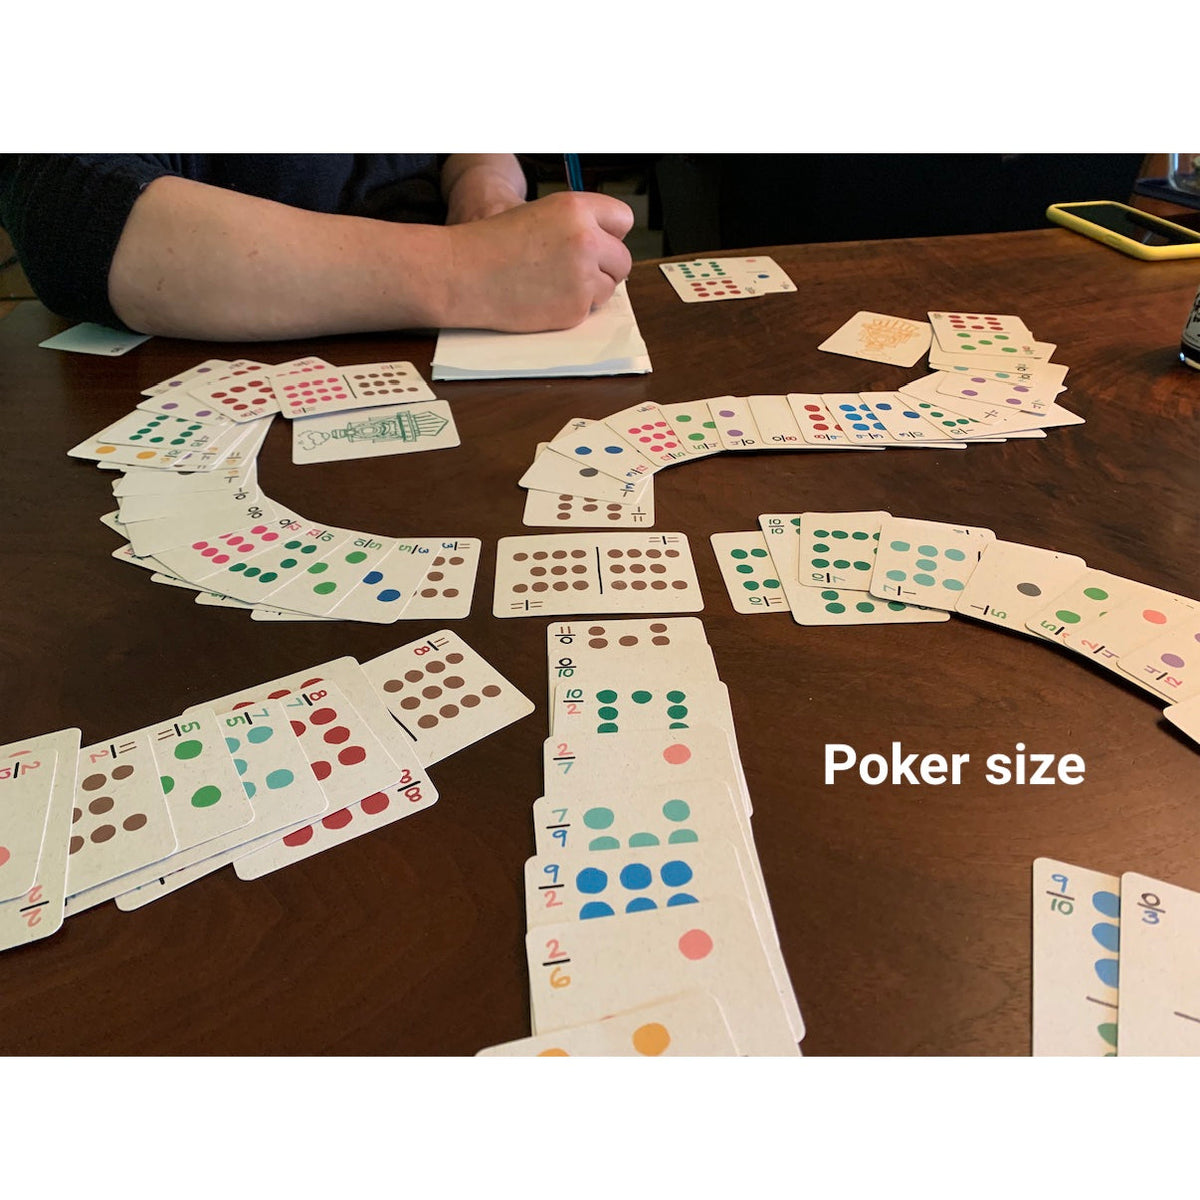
(991,378)
(194,515)
(873,568)
(261,778)
(649,930)
(1115,969)
(704,280)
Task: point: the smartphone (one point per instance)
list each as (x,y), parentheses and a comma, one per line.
(1127,229)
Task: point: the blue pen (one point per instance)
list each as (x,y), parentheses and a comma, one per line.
(574,172)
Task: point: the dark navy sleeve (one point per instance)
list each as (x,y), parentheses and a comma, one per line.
(65,214)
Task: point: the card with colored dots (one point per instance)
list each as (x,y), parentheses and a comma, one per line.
(687,1026)
(818,427)
(585,887)
(734,423)
(776,423)
(613,703)
(181,405)
(275,777)
(204,796)
(554,472)
(445,590)
(120,821)
(926,562)
(704,280)
(838,549)
(27,772)
(444,695)
(1090,594)
(1013,581)
(856,418)
(1048,375)
(1021,358)
(1159,999)
(161,431)
(1168,663)
(209,369)
(246,392)
(318,586)
(904,423)
(595,573)
(208,555)
(600,447)
(646,428)
(320,388)
(569,510)
(833,606)
(749,572)
(695,426)
(192,523)
(582,971)
(38,911)
(878,337)
(1020,397)
(1076,947)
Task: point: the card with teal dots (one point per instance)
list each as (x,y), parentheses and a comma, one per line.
(1077,939)
(748,571)
(926,562)
(837,549)
(586,887)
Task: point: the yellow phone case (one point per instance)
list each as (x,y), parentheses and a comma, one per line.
(1079,224)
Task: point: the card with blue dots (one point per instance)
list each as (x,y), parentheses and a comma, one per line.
(705,280)
(1077,939)
(687,1026)
(926,562)
(598,446)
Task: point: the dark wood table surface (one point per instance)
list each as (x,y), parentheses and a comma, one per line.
(903,913)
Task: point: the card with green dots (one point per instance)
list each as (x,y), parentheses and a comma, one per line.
(748,571)
(832,606)
(1013,581)
(1076,948)
(696,428)
(1089,595)
(614,704)
(926,562)
(317,588)
(838,549)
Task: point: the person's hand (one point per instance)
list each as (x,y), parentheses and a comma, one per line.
(537,266)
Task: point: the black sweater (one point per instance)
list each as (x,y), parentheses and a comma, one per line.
(65,212)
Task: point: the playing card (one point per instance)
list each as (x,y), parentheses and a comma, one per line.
(748,572)
(149,538)
(38,912)
(444,695)
(321,389)
(247,392)
(445,590)
(1017,358)
(207,556)
(160,431)
(1159,1011)
(925,562)
(817,425)
(734,422)
(776,423)
(857,419)
(1045,375)
(344,434)
(695,426)
(175,383)
(276,778)
(566,511)
(880,338)
(90,338)
(686,1026)
(1089,594)
(1169,662)
(1186,717)
(616,703)
(595,573)
(319,587)
(120,820)
(1149,616)
(838,549)
(1021,397)
(1076,946)
(585,970)
(1012,582)
(646,428)
(831,606)
(902,421)
(599,447)
(27,771)
(707,279)
(554,472)
(988,332)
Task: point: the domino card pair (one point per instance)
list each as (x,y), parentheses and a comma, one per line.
(1114,966)
(704,280)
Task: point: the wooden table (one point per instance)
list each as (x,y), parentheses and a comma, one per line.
(904,913)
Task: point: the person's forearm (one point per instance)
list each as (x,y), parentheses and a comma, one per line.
(476,186)
(196,261)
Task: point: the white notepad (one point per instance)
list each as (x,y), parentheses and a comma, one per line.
(607,342)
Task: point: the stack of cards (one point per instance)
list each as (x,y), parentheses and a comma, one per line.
(192,512)
(1115,970)
(872,568)
(648,926)
(259,779)
(707,279)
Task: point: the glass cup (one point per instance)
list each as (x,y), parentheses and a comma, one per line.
(1183,172)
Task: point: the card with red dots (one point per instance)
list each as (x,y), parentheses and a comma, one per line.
(275,777)
(1013,581)
(247,393)
(1076,936)
(818,427)
(1160,975)
(704,280)
(646,428)
(444,695)
(192,561)
(582,971)
(38,911)
(554,472)
(321,389)
(962,332)
(120,821)
(595,573)
(926,562)
(1088,595)
(27,772)
(687,1026)
(878,337)
(1168,662)
(598,446)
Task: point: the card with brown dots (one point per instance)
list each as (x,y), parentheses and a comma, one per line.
(595,573)
(565,511)
(37,911)
(322,389)
(120,820)
(444,695)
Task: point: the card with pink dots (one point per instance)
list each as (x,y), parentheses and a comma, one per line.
(27,771)
(687,1026)
(595,573)
(319,389)
(648,430)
